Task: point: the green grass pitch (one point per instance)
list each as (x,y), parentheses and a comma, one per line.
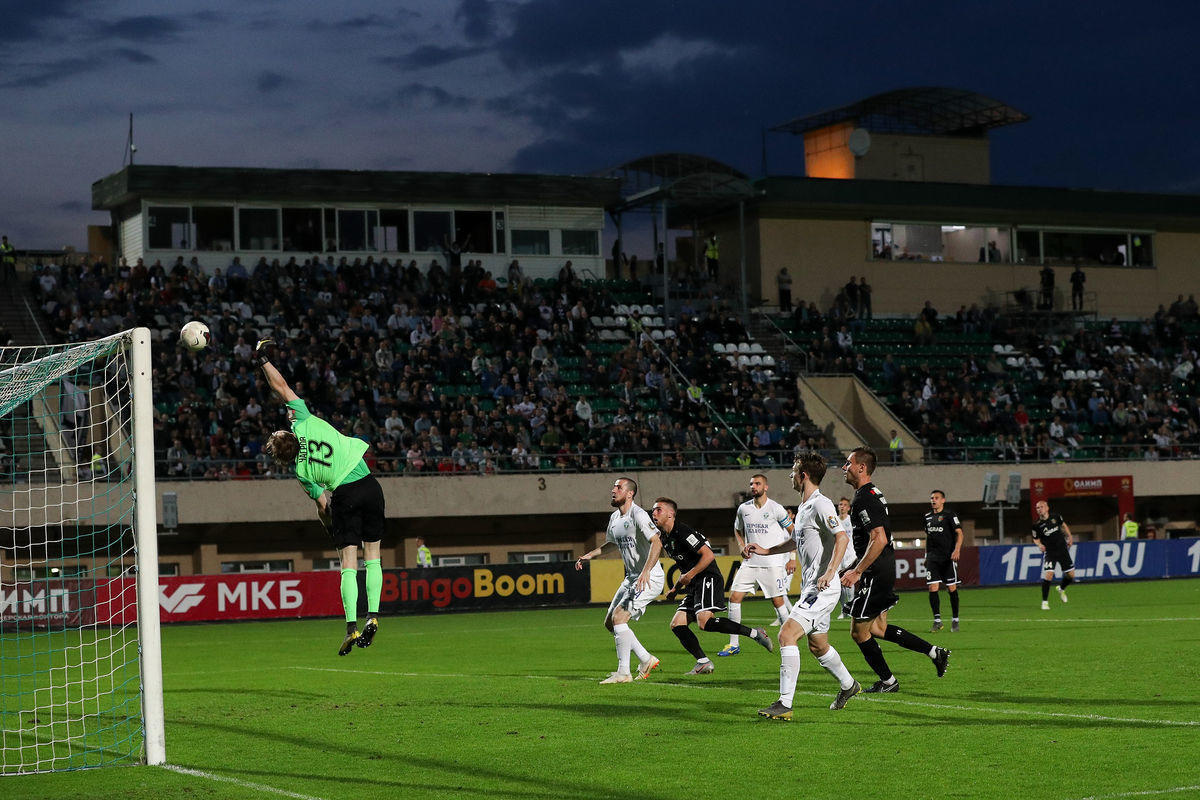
(1096,698)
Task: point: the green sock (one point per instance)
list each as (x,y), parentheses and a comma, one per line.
(374,585)
(350,594)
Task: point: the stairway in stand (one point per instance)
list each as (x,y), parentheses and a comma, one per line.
(774,342)
(15,315)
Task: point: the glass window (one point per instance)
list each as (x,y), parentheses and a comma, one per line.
(530,243)
(471,559)
(1143,249)
(168,568)
(1029,247)
(473,230)
(945,242)
(302,229)
(167,228)
(258,229)
(352,230)
(539,558)
(279,565)
(331,230)
(392,235)
(1078,247)
(430,230)
(214,227)
(580,243)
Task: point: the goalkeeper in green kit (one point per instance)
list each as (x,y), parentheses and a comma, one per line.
(349,500)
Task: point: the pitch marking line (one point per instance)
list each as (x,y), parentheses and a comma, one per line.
(258,787)
(890,701)
(1144,793)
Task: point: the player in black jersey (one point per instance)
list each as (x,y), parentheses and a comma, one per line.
(943,541)
(700,578)
(1053,538)
(874,576)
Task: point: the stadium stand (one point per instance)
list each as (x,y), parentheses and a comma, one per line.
(442,372)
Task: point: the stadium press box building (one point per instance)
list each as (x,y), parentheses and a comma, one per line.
(215,213)
(899,186)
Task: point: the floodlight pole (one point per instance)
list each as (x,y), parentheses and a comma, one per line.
(999,509)
(742,260)
(666,272)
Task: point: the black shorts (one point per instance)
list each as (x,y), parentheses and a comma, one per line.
(705,593)
(941,570)
(874,594)
(357,510)
(1060,557)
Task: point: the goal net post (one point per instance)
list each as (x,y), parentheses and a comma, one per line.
(80,657)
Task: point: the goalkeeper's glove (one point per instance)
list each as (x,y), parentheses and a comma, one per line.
(262,351)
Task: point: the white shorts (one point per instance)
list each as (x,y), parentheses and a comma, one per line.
(774,581)
(812,612)
(633,601)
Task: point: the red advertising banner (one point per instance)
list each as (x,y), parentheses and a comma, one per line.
(1118,486)
(212,598)
(911,574)
(47,604)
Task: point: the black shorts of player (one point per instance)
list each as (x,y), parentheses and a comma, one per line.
(705,593)
(942,570)
(874,593)
(1060,557)
(357,513)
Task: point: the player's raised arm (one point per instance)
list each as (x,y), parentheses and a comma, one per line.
(278,385)
(590,554)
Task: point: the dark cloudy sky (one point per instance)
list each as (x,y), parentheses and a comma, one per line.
(566,86)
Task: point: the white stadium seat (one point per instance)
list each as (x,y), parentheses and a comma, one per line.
(743,347)
(719,348)
(755,347)
(756,360)
(768,361)
(669,333)
(656,335)
(743,361)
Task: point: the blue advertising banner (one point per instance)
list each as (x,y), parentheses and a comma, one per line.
(1122,560)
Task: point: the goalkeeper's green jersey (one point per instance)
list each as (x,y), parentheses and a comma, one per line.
(327,459)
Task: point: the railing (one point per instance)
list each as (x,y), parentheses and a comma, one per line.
(770,458)
(792,343)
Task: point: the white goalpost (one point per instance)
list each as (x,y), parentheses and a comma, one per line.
(80,656)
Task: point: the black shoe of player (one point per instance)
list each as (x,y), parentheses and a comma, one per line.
(954,626)
(368,633)
(879,687)
(844,695)
(937,626)
(941,660)
(776,710)
(348,643)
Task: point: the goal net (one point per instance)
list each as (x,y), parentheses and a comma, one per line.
(80,676)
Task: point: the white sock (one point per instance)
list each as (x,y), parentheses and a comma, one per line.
(622,634)
(639,651)
(932,651)
(832,662)
(735,615)
(704,660)
(784,610)
(789,671)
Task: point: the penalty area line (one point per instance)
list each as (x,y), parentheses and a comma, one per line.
(1015,712)
(258,787)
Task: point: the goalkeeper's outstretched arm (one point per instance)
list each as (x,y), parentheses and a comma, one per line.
(278,385)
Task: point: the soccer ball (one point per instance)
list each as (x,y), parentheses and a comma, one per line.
(195,336)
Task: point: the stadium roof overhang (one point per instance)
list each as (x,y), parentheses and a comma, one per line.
(349,186)
(690,185)
(925,110)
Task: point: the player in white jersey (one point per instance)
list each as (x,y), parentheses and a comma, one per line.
(633,532)
(760,520)
(848,560)
(820,538)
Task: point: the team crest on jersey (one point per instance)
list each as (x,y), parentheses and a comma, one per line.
(626,524)
(833,523)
